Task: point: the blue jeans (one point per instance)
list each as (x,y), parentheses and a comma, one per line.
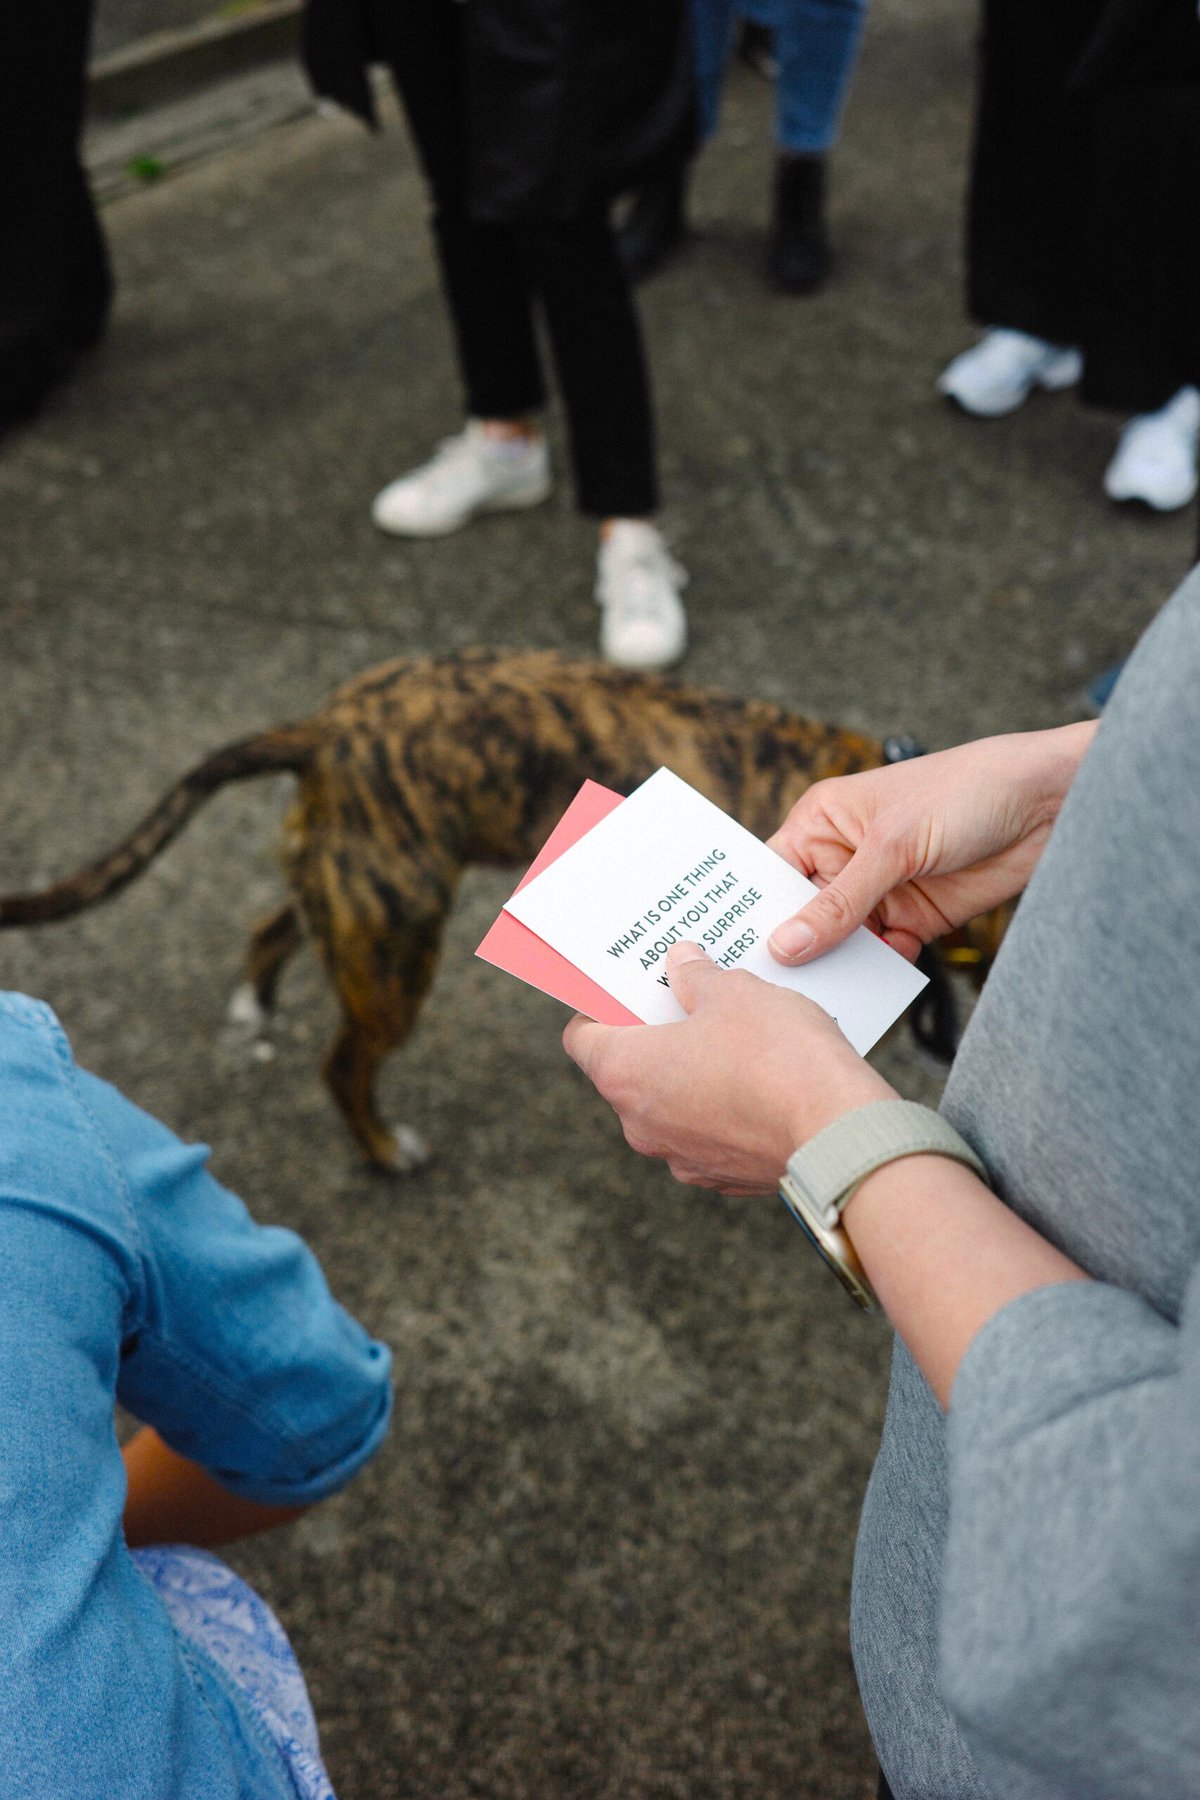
(129,1274)
(816,44)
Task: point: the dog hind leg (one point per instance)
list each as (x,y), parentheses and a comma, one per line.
(273,942)
(379,1009)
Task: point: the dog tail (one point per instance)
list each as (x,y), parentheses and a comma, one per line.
(286,748)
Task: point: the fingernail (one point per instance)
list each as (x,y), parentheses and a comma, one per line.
(792,939)
(679,954)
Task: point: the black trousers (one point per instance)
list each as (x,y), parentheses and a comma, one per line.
(495,276)
(1028,169)
(55,284)
(1083,202)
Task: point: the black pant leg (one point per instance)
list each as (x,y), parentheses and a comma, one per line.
(1029,168)
(492,272)
(1143,251)
(492,315)
(482,273)
(595,334)
(1142,224)
(55,281)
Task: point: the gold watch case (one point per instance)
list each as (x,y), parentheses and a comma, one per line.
(832,1244)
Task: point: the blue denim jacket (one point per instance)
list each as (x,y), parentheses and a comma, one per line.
(127,1272)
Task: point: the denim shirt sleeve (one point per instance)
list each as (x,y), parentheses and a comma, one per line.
(1071,1587)
(233,1347)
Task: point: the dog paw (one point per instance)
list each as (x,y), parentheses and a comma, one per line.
(244,1014)
(411,1150)
(244,1032)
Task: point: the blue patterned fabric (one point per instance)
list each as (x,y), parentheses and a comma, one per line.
(221,1616)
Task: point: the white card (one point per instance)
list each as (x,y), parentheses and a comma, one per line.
(667,865)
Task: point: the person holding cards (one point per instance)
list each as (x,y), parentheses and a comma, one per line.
(1026,1588)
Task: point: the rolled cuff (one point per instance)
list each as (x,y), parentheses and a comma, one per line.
(311,1485)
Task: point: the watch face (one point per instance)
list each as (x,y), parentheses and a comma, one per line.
(836,1252)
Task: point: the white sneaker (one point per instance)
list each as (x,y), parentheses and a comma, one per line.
(643,625)
(1001,371)
(1156,455)
(469,474)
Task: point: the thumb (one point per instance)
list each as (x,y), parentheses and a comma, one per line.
(691,973)
(840,908)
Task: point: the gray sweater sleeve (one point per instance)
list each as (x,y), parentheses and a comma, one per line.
(1026,1612)
(1073,1646)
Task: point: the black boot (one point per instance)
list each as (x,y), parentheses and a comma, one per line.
(655,226)
(799,248)
(54,301)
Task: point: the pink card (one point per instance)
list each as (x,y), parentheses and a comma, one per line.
(511,946)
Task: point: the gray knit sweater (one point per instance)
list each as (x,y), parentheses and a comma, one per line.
(1026,1618)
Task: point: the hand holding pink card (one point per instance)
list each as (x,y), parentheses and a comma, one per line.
(619,882)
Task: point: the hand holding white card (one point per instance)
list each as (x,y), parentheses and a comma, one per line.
(668,866)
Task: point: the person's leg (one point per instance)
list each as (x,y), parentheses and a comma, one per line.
(491,316)
(712,35)
(1142,246)
(656,223)
(214,1611)
(1141,256)
(816,45)
(1025,206)
(596,338)
(499,461)
(758,12)
(1028,169)
(597,344)
(482,276)
(55,281)
(1143,321)
(1139,245)
(754,39)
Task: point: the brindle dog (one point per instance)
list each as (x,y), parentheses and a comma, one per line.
(418,768)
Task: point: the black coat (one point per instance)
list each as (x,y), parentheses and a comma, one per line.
(568,102)
(1132,41)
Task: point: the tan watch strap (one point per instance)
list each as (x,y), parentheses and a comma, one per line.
(832,1164)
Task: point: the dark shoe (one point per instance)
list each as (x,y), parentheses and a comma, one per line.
(799,249)
(41,346)
(88,297)
(35,363)
(29,373)
(756,48)
(655,226)
(31,370)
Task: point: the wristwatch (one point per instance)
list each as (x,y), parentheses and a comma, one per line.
(823,1175)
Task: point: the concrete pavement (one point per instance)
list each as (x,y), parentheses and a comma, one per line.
(606,1551)
(118,24)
